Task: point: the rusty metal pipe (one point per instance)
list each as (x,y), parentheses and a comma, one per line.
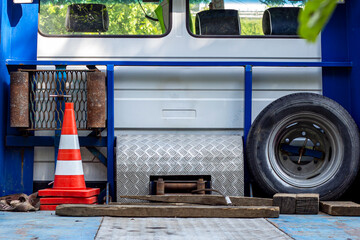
(171,186)
(19,99)
(96,102)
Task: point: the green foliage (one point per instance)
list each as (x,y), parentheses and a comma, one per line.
(124,19)
(314,17)
(251,26)
(271,3)
(279,3)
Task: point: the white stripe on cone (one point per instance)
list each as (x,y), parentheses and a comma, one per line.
(69,168)
(69,142)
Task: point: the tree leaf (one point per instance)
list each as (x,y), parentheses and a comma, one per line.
(314,17)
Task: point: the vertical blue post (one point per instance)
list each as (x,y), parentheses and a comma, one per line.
(334,47)
(353,36)
(110,128)
(18,41)
(248,100)
(340,42)
(247,124)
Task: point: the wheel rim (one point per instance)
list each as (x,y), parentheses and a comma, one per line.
(304,150)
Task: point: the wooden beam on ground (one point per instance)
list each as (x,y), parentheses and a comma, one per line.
(286,202)
(205,199)
(153,204)
(80,210)
(339,208)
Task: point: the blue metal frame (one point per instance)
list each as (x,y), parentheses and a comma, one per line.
(14,62)
(248,100)
(18,41)
(110,129)
(334,46)
(110,91)
(49,141)
(353,39)
(341,68)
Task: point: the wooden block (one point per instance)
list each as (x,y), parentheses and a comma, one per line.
(80,210)
(339,208)
(286,202)
(205,199)
(307,203)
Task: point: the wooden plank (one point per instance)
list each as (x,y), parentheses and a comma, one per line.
(340,208)
(166,211)
(286,202)
(154,204)
(307,203)
(205,199)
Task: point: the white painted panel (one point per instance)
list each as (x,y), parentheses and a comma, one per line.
(287,78)
(95,172)
(46,154)
(263,98)
(215,78)
(210,110)
(176,46)
(44,171)
(148,113)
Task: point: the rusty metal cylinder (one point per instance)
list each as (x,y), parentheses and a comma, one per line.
(96,101)
(180,187)
(19,99)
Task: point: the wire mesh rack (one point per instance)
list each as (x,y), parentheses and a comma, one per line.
(49,90)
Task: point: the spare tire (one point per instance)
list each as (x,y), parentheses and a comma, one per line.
(304,143)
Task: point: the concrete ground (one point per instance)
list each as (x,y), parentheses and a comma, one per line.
(46,225)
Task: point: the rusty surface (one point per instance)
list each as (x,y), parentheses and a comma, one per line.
(96,103)
(19,99)
(170,187)
(200,185)
(180,187)
(160,187)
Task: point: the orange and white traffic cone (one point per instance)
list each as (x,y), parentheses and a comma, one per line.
(69,183)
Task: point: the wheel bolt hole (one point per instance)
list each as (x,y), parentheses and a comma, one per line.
(303,133)
(285,158)
(287,140)
(315,161)
(318,144)
(299,168)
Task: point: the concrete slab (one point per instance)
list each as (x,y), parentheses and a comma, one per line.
(188,228)
(321,226)
(46,225)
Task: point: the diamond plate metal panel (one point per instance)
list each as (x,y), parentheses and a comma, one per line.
(189,229)
(140,156)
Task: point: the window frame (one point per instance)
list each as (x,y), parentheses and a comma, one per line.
(109,36)
(232,36)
